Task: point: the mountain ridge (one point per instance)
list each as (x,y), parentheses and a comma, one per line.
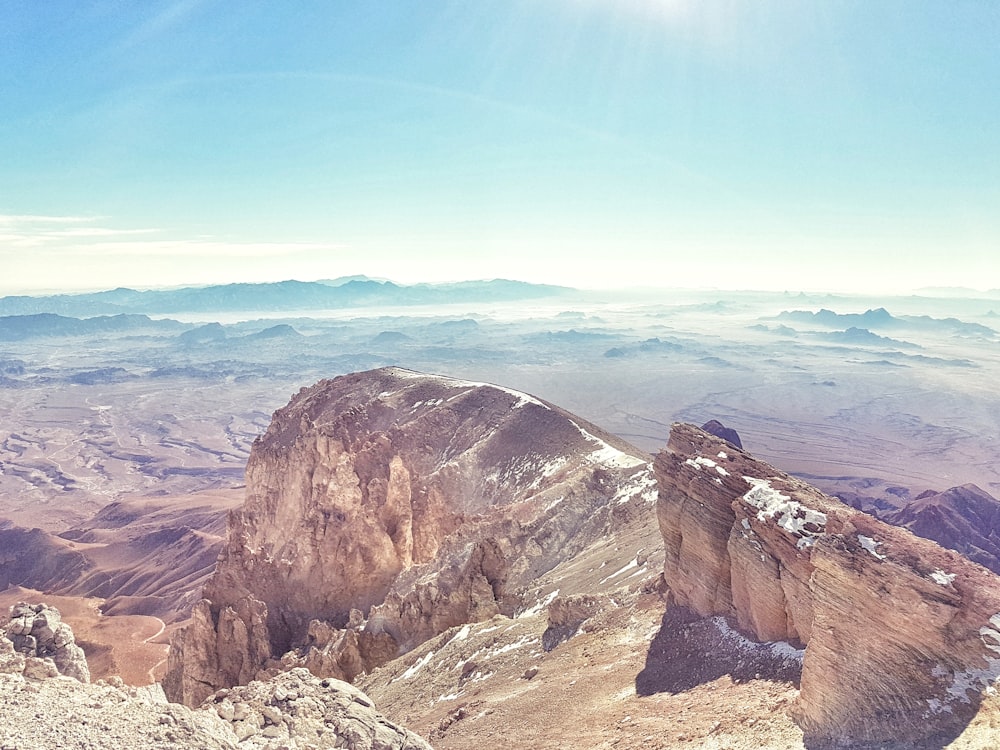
(289,295)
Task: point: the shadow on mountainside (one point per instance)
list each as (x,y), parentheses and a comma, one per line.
(689,651)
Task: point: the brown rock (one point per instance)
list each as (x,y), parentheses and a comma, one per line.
(902,637)
(392,506)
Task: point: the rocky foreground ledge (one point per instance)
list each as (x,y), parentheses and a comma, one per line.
(47,701)
(293,710)
(38,644)
(902,637)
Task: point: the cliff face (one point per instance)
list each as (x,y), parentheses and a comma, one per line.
(902,637)
(386,507)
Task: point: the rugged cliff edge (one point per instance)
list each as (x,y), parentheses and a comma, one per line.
(902,637)
(384,508)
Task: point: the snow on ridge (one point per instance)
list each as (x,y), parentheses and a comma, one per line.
(942,578)
(607,453)
(633,563)
(416,666)
(981,680)
(643,484)
(789,515)
(462,634)
(522,398)
(540,605)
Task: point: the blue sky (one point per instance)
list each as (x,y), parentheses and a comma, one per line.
(728,143)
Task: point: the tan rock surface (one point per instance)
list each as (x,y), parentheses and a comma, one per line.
(38,632)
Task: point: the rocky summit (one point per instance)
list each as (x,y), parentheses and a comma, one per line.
(901,637)
(386,507)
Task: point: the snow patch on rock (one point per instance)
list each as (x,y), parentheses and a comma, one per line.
(793,517)
(942,578)
(777,649)
(870,546)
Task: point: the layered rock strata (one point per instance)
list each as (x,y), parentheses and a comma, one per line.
(902,637)
(384,508)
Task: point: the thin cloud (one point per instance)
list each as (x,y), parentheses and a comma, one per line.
(200,248)
(16,220)
(39,231)
(162,23)
(78,237)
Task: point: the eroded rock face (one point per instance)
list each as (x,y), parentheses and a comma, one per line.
(41,645)
(418,502)
(902,637)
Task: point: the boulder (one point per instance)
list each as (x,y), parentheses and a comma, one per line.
(37,632)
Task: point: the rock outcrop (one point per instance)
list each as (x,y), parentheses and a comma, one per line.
(384,508)
(295,710)
(42,644)
(297,707)
(902,637)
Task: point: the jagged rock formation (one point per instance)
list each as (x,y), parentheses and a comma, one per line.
(42,644)
(384,508)
(294,710)
(964,518)
(902,637)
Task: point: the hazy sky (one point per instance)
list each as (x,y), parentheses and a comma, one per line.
(730,143)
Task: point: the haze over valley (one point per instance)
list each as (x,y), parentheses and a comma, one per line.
(100,408)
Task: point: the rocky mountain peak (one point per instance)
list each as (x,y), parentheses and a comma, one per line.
(387,506)
(964,518)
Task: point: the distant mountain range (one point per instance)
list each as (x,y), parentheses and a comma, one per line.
(278,296)
(20,327)
(881,318)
